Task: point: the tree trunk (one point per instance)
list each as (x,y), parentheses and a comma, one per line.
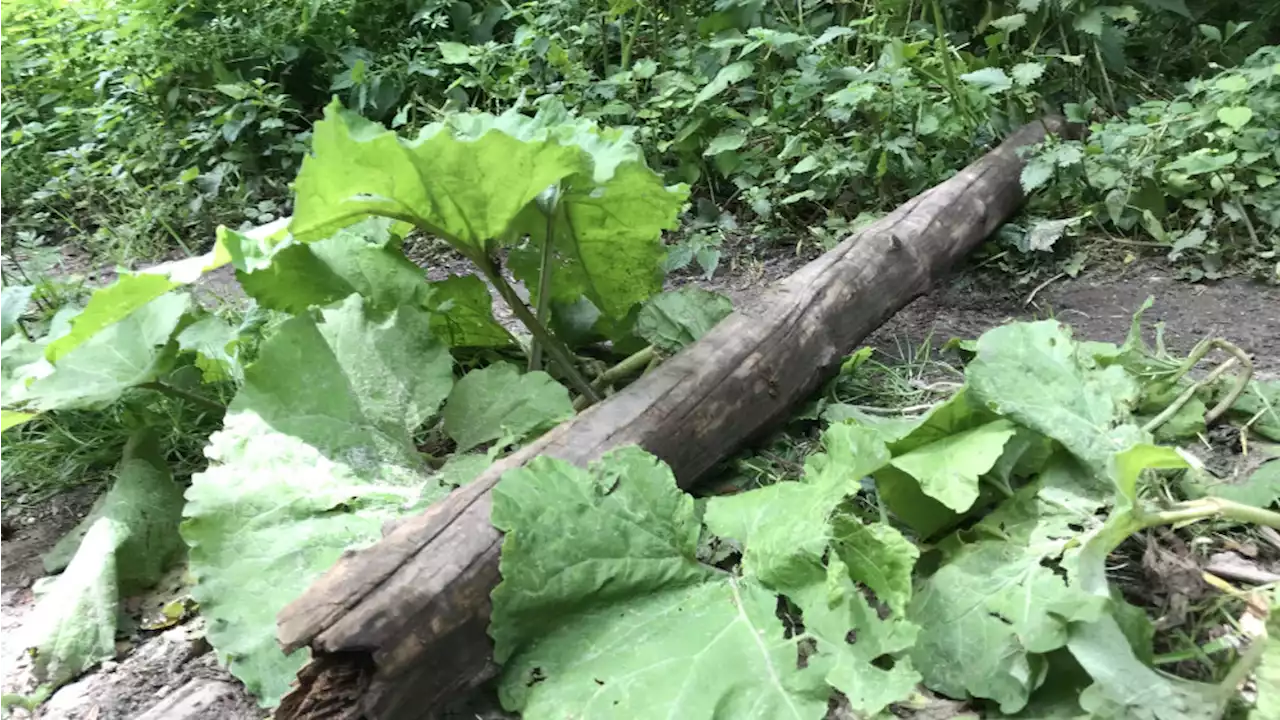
(399,629)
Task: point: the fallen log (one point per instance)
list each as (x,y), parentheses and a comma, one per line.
(399,629)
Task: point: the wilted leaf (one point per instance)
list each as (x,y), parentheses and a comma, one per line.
(675,319)
(316,452)
(497,401)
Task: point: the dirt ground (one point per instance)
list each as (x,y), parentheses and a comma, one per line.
(157,669)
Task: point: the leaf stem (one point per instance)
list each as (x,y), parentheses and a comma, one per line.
(630,365)
(1205,508)
(544,276)
(197,400)
(559,353)
(1238,356)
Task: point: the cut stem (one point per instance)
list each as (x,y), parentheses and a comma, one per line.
(630,365)
(1238,357)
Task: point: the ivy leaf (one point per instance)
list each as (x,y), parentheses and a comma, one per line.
(1035,374)
(731,74)
(991,81)
(675,319)
(1235,117)
(129,352)
(316,452)
(129,542)
(497,401)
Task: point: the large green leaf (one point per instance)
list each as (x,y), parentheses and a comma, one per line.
(129,541)
(131,291)
(786,527)
(315,454)
(948,469)
(364,258)
(902,492)
(131,351)
(675,319)
(1123,687)
(604,611)
(463,313)
(607,223)
(498,402)
(1268,673)
(995,606)
(1036,374)
(473,181)
(463,184)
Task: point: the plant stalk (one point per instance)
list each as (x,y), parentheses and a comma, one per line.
(544,281)
(197,400)
(556,349)
(630,365)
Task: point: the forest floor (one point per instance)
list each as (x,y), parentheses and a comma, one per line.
(173,673)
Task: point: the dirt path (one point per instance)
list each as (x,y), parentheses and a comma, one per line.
(1100,305)
(158,668)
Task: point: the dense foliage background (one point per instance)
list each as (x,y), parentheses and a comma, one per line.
(133,127)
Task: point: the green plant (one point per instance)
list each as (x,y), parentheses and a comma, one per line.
(983,575)
(347,360)
(1195,173)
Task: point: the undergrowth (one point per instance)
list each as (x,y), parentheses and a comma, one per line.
(132,129)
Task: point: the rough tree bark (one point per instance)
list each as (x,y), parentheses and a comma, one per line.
(399,629)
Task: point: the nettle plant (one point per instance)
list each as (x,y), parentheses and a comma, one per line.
(1197,173)
(353,410)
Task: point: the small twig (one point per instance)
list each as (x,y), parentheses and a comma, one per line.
(1042,286)
(1186,396)
(909,410)
(1270,536)
(1253,576)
